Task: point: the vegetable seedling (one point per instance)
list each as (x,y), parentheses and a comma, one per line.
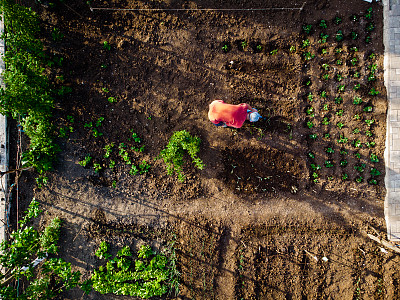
(111,99)
(329,150)
(342,139)
(325,67)
(313,136)
(368,133)
(339,113)
(357,144)
(373,181)
(225,48)
(85,162)
(310,111)
(370,27)
(370,122)
(273,52)
(315,167)
(327,135)
(374,158)
(374,172)
(345,177)
(370,144)
(325,76)
(339,62)
(323,24)
(372,56)
(307,28)
(328,164)
(354,35)
(310,124)
(357,100)
(368,13)
(356,117)
(373,92)
(338,100)
(337,20)
(354,61)
(305,43)
(308,56)
(359,179)
(325,121)
(292,49)
(106,46)
(367,39)
(339,77)
(356,130)
(323,94)
(343,163)
(357,155)
(341,88)
(343,152)
(323,38)
(339,36)
(310,97)
(356,75)
(311,155)
(324,51)
(368,109)
(97,167)
(243,44)
(360,168)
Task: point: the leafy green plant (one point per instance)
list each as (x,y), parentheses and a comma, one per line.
(149,275)
(323,39)
(374,158)
(357,144)
(322,24)
(372,56)
(356,130)
(124,153)
(324,51)
(368,109)
(325,107)
(345,176)
(108,148)
(308,55)
(243,45)
(310,111)
(325,76)
(172,155)
(111,99)
(357,100)
(370,27)
(310,124)
(112,164)
(370,122)
(339,77)
(356,74)
(343,163)
(21,254)
(325,121)
(315,167)
(339,36)
(97,167)
(341,88)
(337,20)
(144,167)
(226,47)
(373,181)
(370,144)
(356,117)
(311,155)
(354,35)
(56,34)
(368,133)
(339,112)
(106,46)
(339,62)
(343,152)
(340,125)
(328,163)
(273,52)
(360,168)
(338,100)
(85,162)
(357,155)
(307,28)
(313,136)
(373,92)
(359,179)
(327,135)
(310,97)
(323,94)
(368,13)
(329,150)
(368,39)
(354,49)
(292,49)
(342,139)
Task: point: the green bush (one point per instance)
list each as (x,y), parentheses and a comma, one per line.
(173,154)
(28,96)
(17,256)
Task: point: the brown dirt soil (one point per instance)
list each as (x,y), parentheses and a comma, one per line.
(254,224)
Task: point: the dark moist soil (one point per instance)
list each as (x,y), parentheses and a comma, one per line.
(256,222)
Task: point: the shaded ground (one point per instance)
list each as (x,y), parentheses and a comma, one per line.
(249,224)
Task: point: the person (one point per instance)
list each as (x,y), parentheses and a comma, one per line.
(223,114)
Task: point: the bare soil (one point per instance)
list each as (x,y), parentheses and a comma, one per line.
(254,224)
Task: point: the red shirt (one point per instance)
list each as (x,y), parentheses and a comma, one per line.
(232,115)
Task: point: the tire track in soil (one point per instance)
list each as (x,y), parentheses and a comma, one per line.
(225,282)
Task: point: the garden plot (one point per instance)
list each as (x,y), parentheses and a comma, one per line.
(249,213)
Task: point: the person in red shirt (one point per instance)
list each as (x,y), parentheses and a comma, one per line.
(223,114)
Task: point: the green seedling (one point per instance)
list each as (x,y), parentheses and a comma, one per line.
(329,150)
(343,152)
(144,167)
(338,100)
(324,51)
(368,133)
(374,158)
(307,28)
(356,130)
(357,144)
(114,184)
(322,24)
(372,56)
(370,122)
(325,121)
(111,99)
(357,100)
(327,135)
(310,124)
(339,77)
(368,13)
(311,155)
(339,62)
(367,39)
(108,149)
(339,36)
(70,119)
(357,155)
(373,181)
(106,46)
(356,75)
(243,44)
(359,179)
(225,48)
(305,43)
(310,97)
(135,137)
(339,113)
(337,20)
(105,90)
(273,52)
(88,125)
(292,49)
(325,76)
(373,92)
(259,48)
(368,109)
(345,177)
(315,167)
(373,68)
(360,168)
(341,88)
(342,139)
(96,133)
(340,125)
(354,35)
(370,144)
(97,167)
(308,56)
(103,66)
(356,117)
(85,162)
(57,35)
(328,163)
(330,178)
(325,67)
(354,49)
(310,111)
(315,175)
(323,38)
(354,61)
(323,94)
(325,107)
(112,164)
(99,121)
(338,50)
(134,170)
(343,163)
(371,77)
(313,136)
(308,82)
(354,18)
(370,27)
